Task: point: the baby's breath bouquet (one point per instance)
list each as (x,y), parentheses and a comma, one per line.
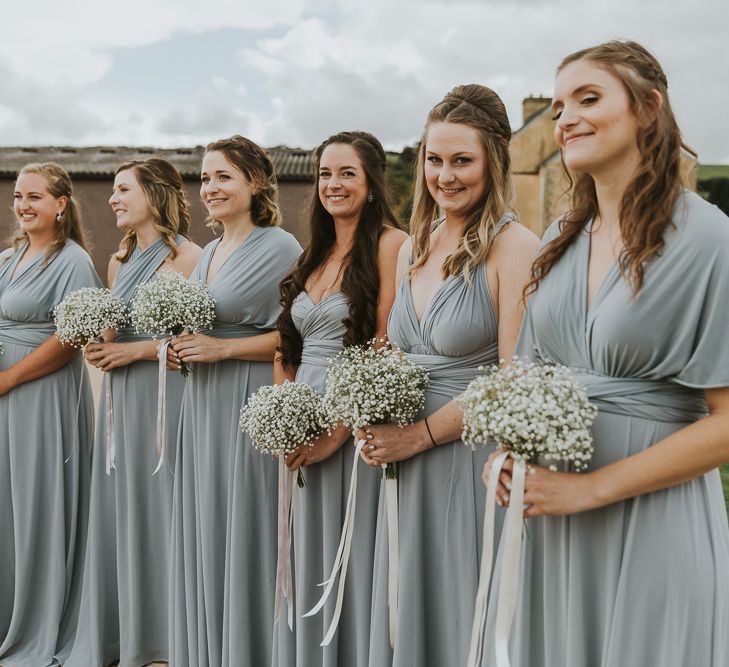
(172,305)
(86,313)
(280,418)
(368,385)
(531,410)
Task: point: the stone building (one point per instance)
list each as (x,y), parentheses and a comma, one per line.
(92,171)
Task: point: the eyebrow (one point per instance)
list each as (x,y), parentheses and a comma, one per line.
(18,192)
(456,154)
(580,89)
(218,171)
(340,168)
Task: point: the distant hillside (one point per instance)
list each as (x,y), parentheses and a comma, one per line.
(712,183)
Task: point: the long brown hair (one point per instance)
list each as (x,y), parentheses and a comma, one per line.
(163,188)
(69,226)
(361,278)
(257,167)
(648,201)
(481,108)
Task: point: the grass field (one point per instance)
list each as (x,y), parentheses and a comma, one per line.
(712,171)
(725,484)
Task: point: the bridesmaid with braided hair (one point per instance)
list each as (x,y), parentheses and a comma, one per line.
(628,564)
(458,307)
(123,613)
(339,293)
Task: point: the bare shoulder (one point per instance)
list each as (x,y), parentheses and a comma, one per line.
(188,254)
(391,241)
(514,246)
(113,269)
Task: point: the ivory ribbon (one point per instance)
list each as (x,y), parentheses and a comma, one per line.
(78,410)
(161,404)
(342,558)
(110,439)
(393,550)
(487,555)
(284,578)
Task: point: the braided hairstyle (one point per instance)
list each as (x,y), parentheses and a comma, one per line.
(69,226)
(163,188)
(361,278)
(481,108)
(647,206)
(257,167)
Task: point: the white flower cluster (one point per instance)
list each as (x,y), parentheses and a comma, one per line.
(367,385)
(171,305)
(86,313)
(279,418)
(532,410)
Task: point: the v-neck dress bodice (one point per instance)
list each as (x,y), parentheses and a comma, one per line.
(441,496)
(318,514)
(45,451)
(225,492)
(644,361)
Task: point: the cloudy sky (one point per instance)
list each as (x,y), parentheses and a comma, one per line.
(183,72)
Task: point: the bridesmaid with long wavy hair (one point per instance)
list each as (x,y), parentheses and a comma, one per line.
(124,602)
(628,564)
(458,307)
(46,422)
(225,493)
(340,293)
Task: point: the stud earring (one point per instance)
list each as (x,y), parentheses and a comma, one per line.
(370,197)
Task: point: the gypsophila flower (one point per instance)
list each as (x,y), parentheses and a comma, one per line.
(532,410)
(86,313)
(172,305)
(280,418)
(367,385)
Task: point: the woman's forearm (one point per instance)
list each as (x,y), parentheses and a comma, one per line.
(253,348)
(47,358)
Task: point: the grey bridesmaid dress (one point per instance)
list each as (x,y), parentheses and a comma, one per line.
(223,560)
(441,495)
(642,582)
(43,499)
(124,603)
(318,511)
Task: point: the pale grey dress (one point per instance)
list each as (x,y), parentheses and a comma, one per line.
(441,495)
(223,561)
(124,602)
(643,582)
(318,511)
(43,501)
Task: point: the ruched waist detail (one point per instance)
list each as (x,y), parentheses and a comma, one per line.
(130,335)
(451,375)
(319,352)
(636,397)
(31,334)
(228,330)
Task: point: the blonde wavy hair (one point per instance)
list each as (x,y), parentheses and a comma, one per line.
(163,188)
(69,226)
(481,108)
(257,167)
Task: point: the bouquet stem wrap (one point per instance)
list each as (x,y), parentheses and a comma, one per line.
(342,558)
(511,564)
(284,578)
(393,554)
(162,404)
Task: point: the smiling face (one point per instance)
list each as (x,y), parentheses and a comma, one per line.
(596,127)
(35,207)
(455,168)
(343,187)
(225,191)
(128,201)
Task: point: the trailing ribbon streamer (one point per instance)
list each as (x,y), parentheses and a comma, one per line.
(393,550)
(284,578)
(110,439)
(161,404)
(487,557)
(511,564)
(342,558)
(78,409)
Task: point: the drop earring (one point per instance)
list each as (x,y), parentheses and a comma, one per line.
(59,216)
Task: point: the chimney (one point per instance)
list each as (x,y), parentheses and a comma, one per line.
(531,106)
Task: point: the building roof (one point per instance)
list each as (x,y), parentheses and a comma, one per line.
(291,164)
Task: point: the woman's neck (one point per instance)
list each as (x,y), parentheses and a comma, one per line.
(236,231)
(39,241)
(146,236)
(610,188)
